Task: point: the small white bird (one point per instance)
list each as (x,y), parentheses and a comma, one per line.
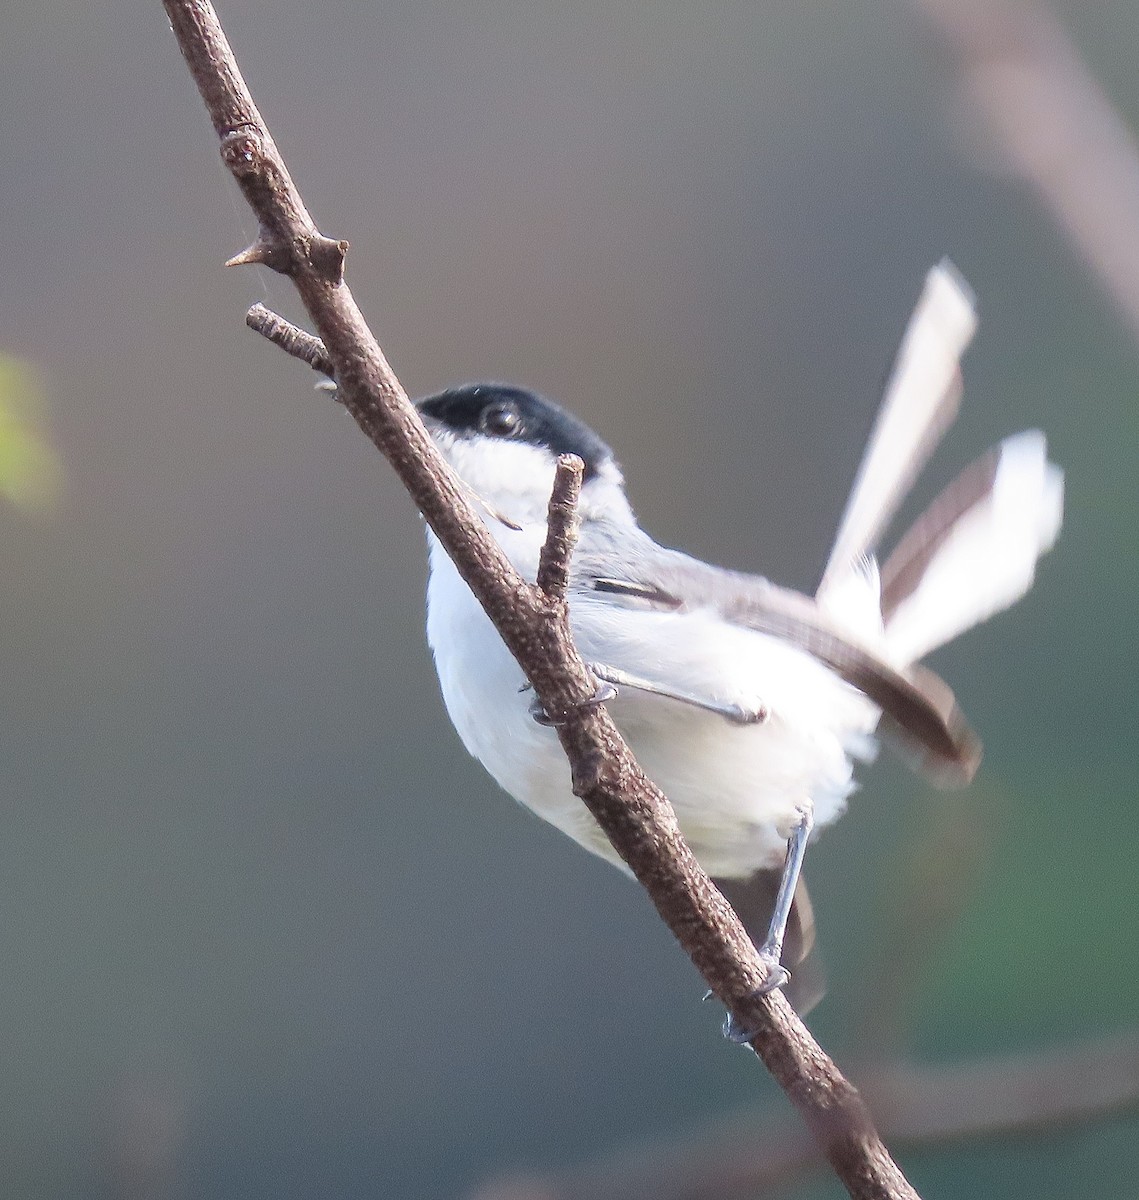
(746,702)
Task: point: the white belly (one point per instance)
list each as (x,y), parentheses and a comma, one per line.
(736,789)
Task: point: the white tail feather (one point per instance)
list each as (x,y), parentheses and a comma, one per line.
(921,400)
(986,560)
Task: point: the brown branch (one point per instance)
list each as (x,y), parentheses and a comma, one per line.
(634,814)
(749,1154)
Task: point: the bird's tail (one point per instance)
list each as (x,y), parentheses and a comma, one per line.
(973,552)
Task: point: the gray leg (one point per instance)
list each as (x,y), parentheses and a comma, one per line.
(772,949)
(613,678)
(772,946)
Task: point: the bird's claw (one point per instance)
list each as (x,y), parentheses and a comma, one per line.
(603,694)
(777,976)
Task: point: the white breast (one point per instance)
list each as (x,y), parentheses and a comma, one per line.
(736,789)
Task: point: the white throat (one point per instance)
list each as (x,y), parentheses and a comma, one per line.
(513,481)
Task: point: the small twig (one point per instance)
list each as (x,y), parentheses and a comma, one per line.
(561,529)
(749,1154)
(290,338)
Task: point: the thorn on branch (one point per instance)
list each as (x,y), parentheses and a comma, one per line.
(259,253)
(292,340)
(561,529)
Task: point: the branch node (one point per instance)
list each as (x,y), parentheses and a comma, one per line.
(242,149)
(561,529)
(327,257)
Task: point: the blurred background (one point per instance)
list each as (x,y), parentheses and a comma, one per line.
(265,930)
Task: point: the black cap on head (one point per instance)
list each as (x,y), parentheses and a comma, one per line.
(513,413)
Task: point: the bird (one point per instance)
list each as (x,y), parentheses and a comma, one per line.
(748,703)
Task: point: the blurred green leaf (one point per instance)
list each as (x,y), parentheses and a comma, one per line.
(31,471)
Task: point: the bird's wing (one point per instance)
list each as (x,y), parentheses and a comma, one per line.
(917,706)
(921,400)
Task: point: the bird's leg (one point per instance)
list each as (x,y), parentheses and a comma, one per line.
(772,946)
(614,676)
(772,949)
(735,713)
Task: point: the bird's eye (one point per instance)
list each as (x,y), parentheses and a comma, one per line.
(500,420)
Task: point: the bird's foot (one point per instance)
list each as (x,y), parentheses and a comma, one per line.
(777,976)
(604,693)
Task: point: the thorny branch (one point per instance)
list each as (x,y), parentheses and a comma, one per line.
(633,813)
(1014,61)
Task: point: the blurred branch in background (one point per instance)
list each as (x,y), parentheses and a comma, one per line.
(748,1153)
(1050,123)
(915,1106)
